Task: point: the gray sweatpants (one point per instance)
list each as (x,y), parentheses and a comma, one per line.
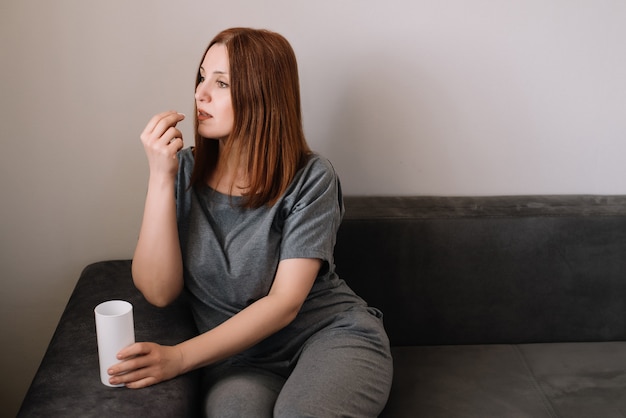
(343,370)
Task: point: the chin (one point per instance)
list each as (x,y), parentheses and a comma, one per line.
(211,134)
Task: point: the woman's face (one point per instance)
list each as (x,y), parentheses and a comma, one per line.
(213,100)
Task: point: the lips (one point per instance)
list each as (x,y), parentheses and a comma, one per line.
(202,115)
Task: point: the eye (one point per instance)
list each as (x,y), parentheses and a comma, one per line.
(200,79)
(221,84)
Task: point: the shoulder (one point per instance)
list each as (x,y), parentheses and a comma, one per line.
(318,174)
(185,162)
(185,156)
(316,181)
(185,168)
(318,167)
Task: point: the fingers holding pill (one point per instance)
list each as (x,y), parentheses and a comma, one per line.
(162,140)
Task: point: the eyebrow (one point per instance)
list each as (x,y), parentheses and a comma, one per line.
(214,72)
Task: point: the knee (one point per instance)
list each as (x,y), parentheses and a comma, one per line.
(240,396)
(303,409)
(296,409)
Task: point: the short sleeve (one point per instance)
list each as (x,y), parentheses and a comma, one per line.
(313,214)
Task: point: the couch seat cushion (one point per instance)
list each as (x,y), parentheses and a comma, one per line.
(526,380)
(463,381)
(581,379)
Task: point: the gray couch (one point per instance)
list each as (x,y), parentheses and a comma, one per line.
(495,306)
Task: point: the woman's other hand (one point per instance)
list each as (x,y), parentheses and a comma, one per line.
(145,364)
(161,141)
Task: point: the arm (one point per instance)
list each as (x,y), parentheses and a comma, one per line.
(148,363)
(157,262)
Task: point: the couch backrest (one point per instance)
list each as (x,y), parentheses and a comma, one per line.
(468,270)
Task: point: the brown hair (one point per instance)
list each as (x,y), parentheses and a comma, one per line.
(267,130)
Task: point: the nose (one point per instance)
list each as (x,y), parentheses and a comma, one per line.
(202,93)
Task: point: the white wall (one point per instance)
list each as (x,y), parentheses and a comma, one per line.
(445,97)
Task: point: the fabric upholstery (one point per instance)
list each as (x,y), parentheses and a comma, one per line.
(67,383)
(580,379)
(527,380)
(470,270)
(467,380)
(496,307)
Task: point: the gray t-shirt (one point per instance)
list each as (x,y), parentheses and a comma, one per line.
(230,254)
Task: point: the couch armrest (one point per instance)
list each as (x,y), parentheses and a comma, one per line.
(68,380)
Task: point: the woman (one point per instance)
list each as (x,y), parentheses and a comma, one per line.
(245,222)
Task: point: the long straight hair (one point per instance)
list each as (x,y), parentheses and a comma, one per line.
(267,131)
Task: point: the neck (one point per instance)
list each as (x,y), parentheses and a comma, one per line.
(229,176)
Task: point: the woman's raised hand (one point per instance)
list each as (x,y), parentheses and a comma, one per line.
(161,141)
